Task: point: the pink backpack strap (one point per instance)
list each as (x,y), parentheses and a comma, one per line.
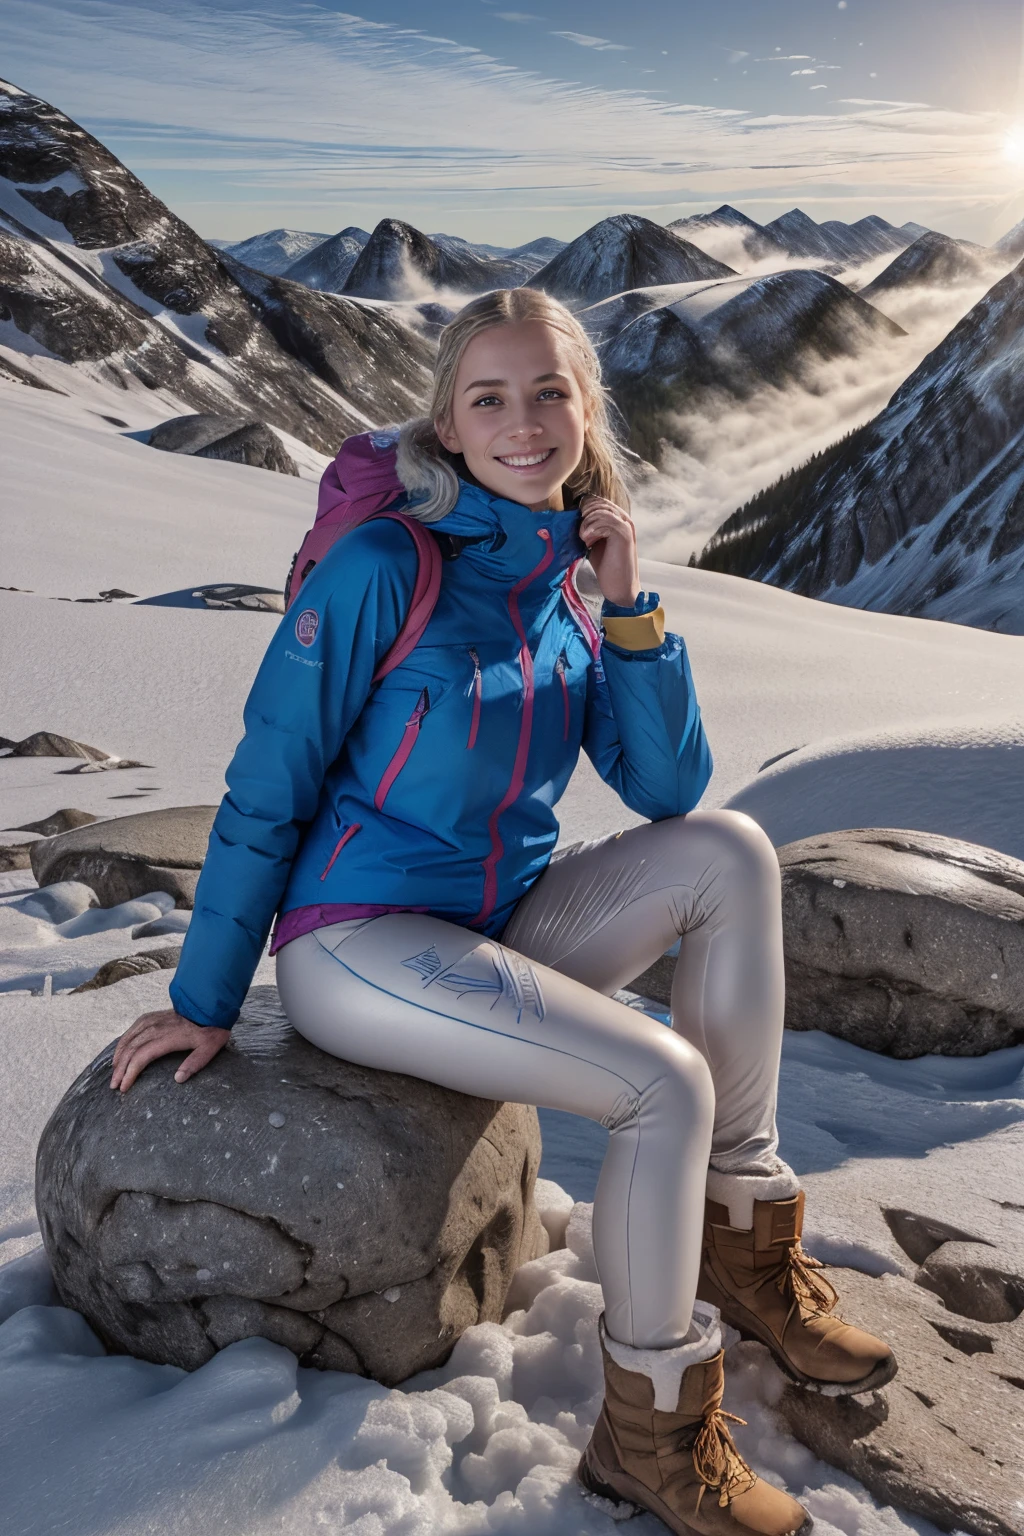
(424,593)
(580,612)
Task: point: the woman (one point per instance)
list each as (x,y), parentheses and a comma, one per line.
(404,830)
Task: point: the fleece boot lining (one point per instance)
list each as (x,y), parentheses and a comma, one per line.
(665,1367)
(739,1191)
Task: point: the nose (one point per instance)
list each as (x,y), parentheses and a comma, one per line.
(525,425)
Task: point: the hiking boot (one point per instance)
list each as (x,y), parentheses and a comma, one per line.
(662,1443)
(767,1287)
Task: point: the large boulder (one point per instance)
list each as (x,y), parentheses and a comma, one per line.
(902,942)
(239,439)
(943,1439)
(362,1219)
(130,856)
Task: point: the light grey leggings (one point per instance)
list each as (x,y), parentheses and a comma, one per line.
(531,1019)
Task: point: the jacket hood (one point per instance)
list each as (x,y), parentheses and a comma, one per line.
(509,537)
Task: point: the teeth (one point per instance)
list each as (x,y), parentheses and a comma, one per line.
(521,460)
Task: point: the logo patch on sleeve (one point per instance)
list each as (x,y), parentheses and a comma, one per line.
(306,626)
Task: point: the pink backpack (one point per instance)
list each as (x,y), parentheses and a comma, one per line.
(362,482)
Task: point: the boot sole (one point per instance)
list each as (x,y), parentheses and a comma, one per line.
(643,1501)
(883,1372)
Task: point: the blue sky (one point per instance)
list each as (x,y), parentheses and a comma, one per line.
(501,124)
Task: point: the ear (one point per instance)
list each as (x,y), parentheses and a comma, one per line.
(447,436)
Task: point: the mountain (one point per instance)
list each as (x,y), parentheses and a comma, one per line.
(328,264)
(936,260)
(921,511)
(272,252)
(399,262)
(532,255)
(731,338)
(849,244)
(98,273)
(545,249)
(730,236)
(1012,243)
(622,252)
(913,230)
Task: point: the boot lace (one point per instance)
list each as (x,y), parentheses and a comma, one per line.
(800,1279)
(716,1460)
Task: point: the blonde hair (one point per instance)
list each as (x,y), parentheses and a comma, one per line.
(425,466)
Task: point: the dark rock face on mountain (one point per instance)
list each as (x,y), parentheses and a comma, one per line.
(730,339)
(935,260)
(361,1219)
(727,231)
(622,252)
(400,262)
(136,293)
(233,438)
(921,511)
(274,251)
(835,241)
(329,263)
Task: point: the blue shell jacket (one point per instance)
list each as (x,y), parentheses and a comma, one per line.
(435,788)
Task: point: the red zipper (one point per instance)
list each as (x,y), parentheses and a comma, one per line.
(478,689)
(518,779)
(405,746)
(348,833)
(560,666)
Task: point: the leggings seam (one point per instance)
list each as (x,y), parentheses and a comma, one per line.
(503,1034)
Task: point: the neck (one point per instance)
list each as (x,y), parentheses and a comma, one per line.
(554,503)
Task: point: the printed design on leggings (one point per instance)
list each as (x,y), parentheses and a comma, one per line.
(485,971)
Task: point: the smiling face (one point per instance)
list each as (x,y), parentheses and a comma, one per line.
(518,413)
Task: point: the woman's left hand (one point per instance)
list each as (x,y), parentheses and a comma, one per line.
(610,537)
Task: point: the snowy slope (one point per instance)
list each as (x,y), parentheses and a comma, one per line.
(274,251)
(921,511)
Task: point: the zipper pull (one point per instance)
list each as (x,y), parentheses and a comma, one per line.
(476,688)
(560,666)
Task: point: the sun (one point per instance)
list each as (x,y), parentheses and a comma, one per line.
(1013,144)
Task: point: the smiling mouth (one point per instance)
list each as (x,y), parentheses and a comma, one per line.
(525,461)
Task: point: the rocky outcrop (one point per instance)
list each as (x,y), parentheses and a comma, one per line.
(622,252)
(274,251)
(49,744)
(234,438)
(905,943)
(130,856)
(401,262)
(15,856)
(126,966)
(60,821)
(327,265)
(942,1440)
(238,595)
(362,1219)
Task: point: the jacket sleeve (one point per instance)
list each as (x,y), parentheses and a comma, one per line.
(643,731)
(310,687)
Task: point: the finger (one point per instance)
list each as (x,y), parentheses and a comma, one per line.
(142,1039)
(144,1055)
(131,1034)
(196,1060)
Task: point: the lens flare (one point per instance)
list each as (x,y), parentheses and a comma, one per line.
(1013,145)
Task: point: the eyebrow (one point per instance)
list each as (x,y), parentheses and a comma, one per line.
(490,383)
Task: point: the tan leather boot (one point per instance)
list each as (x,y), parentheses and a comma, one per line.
(767,1287)
(680,1462)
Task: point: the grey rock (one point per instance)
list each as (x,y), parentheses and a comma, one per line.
(172,922)
(906,943)
(131,965)
(49,744)
(238,595)
(131,856)
(238,439)
(60,821)
(942,1440)
(60,902)
(363,1219)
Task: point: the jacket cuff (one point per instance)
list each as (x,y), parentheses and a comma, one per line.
(640,628)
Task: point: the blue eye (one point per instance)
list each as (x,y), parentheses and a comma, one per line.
(485,399)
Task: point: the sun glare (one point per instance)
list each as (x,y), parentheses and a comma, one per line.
(1013,145)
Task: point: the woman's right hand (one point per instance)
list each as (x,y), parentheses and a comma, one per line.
(157,1034)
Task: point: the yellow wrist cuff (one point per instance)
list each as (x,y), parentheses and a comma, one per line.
(641,632)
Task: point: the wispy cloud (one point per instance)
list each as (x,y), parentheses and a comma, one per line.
(737,55)
(309,112)
(584,40)
(517,16)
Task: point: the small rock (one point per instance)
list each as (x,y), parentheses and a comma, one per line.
(171,1249)
(237,595)
(49,744)
(172,922)
(112,593)
(60,821)
(129,856)
(130,965)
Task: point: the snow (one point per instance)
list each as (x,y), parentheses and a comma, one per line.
(877,707)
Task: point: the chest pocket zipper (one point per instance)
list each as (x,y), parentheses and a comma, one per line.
(405,746)
(560,666)
(476,687)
